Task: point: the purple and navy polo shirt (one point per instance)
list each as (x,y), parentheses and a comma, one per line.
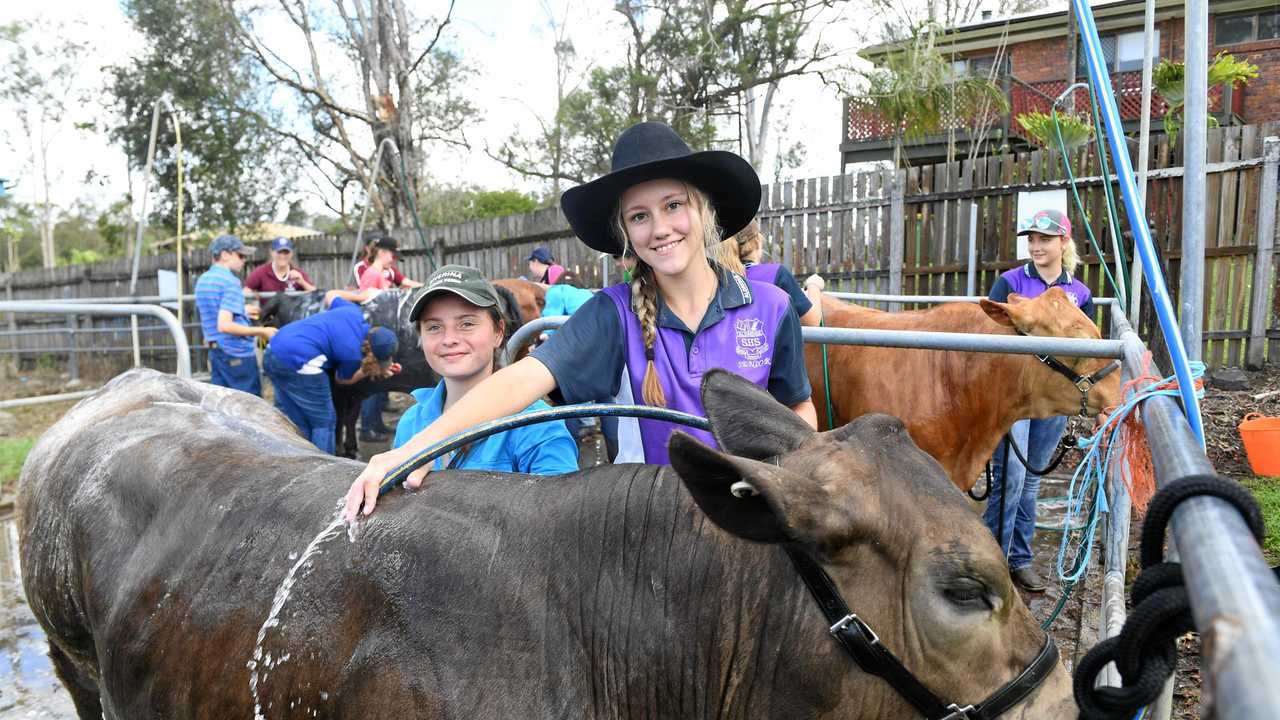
(779,275)
(1027,282)
(749,328)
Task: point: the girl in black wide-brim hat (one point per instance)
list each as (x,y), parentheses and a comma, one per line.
(655,337)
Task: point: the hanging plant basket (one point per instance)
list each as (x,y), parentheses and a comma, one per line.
(1076,130)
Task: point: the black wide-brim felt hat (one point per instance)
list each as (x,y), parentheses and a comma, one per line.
(651,151)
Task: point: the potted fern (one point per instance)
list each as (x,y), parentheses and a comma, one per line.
(1169,79)
(1076,130)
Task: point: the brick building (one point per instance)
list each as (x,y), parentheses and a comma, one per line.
(1037,66)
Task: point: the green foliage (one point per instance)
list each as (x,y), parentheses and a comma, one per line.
(13,452)
(915,90)
(1076,130)
(1267,492)
(687,64)
(76,256)
(1169,79)
(233,170)
(449,204)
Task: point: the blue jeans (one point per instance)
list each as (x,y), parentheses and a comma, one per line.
(237,373)
(1037,439)
(307,400)
(371,413)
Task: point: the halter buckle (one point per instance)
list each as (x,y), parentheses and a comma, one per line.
(1084,384)
(958,713)
(853,619)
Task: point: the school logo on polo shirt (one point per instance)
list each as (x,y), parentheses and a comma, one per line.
(1075,300)
(752,346)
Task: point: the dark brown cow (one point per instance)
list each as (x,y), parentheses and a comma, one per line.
(956,405)
(530,296)
(159,519)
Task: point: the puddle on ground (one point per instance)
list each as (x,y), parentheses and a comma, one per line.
(29,689)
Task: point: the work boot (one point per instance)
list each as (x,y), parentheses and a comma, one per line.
(1027,579)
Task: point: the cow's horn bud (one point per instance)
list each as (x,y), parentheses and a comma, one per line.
(743,489)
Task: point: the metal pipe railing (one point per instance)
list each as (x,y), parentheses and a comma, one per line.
(179,337)
(912,339)
(1235,598)
(926,299)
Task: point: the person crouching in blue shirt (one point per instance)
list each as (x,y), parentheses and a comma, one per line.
(1053,260)
(227,331)
(337,339)
(461,330)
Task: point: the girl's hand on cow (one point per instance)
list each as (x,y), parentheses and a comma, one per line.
(394,368)
(364,491)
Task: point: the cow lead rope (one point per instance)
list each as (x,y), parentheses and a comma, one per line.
(1145,652)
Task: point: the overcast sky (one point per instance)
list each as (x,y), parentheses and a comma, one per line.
(508,41)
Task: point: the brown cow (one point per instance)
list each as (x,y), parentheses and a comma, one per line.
(531,296)
(957,405)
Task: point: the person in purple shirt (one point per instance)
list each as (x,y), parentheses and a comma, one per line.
(1053,260)
(680,316)
(743,254)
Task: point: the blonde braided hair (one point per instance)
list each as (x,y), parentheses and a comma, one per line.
(644,288)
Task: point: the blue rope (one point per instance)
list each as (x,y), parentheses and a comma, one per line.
(1089,479)
(484,430)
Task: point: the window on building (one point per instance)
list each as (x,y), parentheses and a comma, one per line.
(1248,27)
(1120,52)
(978,66)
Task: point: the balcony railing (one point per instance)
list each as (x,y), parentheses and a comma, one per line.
(865,124)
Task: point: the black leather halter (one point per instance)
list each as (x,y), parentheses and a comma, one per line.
(1083,383)
(864,646)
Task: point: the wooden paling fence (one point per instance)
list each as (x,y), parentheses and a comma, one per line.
(882,230)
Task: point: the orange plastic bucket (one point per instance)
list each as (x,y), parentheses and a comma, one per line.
(1261,436)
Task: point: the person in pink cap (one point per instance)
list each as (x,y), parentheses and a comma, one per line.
(1012,517)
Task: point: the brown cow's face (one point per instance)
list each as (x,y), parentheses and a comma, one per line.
(1053,314)
(907,553)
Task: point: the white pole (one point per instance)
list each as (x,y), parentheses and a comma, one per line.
(972,284)
(1144,146)
(1195,129)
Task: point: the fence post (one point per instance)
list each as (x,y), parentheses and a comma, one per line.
(13,325)
(1262,264)
(971,282)
(897,232)
(73,358)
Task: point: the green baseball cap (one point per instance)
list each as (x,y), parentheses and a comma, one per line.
(465,282)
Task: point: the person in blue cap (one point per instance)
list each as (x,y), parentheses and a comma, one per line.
(1052,264)
(338,339)
(461,330)
(542,266)
(227,331)
(282,274)
(680,315)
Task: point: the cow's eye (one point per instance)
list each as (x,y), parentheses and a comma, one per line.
(968,593)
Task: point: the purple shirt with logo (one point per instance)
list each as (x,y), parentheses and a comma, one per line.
(742,342)
(1026,281)
(781,277)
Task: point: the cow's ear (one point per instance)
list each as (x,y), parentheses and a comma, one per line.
(747,421)
(1009,314)
(755,500)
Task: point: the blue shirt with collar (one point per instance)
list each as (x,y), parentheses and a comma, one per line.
(565,300)
(540,449)
(588,354)
(1026,281)
(219,289)
(336,333)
